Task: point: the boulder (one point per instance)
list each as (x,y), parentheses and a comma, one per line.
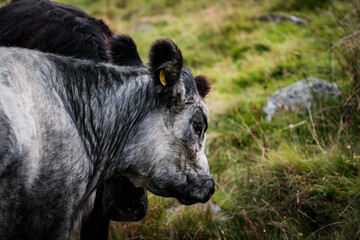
(299,95)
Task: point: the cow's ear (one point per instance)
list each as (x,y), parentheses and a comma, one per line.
(123,51)
(203,85)
(165,62)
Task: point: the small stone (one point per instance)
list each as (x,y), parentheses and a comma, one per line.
(214,208)
(143,27)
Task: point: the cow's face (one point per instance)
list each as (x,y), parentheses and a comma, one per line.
(170,142)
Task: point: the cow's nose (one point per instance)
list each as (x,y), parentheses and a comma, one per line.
(210,184)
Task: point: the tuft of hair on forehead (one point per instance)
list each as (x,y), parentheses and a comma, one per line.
(165,56)
(123,51)
(203,85)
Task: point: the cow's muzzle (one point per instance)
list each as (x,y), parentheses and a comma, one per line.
(198,191)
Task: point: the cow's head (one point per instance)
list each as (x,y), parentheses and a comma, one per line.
(168,151)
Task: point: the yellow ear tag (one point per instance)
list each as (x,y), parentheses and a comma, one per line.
(162,78)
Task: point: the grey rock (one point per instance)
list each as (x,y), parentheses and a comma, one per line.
(299,95)
(278,18)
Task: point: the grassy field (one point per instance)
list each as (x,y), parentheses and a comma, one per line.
(294,178)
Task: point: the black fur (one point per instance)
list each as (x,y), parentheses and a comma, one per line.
(123,51)
(165,56)
(97,225)
(203,85)
(55,28)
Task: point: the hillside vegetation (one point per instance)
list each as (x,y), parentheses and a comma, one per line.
(294,178)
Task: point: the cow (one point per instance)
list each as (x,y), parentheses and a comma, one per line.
(61,136)
(66,30)
(53,27)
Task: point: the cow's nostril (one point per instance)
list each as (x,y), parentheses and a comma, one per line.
(210,184)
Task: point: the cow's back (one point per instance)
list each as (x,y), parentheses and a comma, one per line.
(53,27)
(41,153)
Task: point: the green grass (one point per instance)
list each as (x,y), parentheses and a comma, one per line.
(293,178)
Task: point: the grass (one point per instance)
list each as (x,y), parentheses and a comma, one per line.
(294,178)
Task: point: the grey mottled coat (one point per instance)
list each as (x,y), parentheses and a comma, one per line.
(61,136)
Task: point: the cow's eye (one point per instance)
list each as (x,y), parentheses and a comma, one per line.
(198,128)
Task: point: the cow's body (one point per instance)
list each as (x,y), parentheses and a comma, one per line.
(61,136)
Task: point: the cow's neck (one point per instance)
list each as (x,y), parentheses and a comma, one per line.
(107,106)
